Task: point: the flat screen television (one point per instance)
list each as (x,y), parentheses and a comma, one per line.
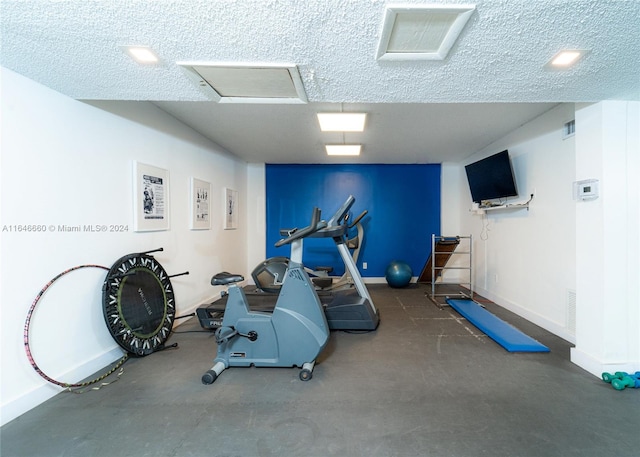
(491,178)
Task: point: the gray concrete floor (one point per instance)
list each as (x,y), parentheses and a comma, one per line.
(426,383)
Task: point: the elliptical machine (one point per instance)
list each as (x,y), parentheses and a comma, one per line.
(293,334)
(345,308)
(268,275)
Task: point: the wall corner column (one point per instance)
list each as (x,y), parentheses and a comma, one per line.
(607,238)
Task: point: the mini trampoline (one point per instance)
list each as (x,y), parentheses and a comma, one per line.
(138,304)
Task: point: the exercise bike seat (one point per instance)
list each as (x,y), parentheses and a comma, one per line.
(224,278)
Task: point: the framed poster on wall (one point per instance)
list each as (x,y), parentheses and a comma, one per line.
(230,209)
(150,198)
(200,205)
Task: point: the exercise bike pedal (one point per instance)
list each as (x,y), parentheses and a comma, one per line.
(224,334)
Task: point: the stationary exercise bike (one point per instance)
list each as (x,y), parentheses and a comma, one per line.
(293,334)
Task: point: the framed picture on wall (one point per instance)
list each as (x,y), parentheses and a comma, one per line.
(150,198)
(200,205)
(230,209)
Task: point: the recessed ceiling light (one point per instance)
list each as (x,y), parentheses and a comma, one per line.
(566,58)
(141,54)
(343,149)
(342,122)
(421,32)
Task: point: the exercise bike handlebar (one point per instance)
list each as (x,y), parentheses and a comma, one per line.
(315,225)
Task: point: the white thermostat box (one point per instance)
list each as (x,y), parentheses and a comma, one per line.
(587,189)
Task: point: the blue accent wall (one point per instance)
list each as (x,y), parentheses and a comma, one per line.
(403,204)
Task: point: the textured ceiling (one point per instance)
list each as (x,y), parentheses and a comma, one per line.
(493,80)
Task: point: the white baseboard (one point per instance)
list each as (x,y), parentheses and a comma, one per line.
(374,280)
(192,309)
(596,367)
(17,406)
(537,319)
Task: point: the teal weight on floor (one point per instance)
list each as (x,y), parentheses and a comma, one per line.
(621,380)
(398,274)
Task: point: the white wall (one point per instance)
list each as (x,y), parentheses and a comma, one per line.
(524,260)
(256,217)
(65,162)
(570,266)
(608,274)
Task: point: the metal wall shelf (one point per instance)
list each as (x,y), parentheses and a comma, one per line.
(523,205)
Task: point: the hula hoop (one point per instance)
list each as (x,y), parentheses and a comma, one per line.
(28,349)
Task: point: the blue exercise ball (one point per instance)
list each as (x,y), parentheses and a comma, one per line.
(398,274)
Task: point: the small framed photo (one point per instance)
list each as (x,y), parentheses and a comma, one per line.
(150,198)
(230,209)
(200,205)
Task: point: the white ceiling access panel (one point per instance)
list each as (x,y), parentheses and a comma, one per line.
(421,32)
(248,82)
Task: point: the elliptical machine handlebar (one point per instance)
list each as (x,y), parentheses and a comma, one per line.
(296,234)
(342,212)
(358,219)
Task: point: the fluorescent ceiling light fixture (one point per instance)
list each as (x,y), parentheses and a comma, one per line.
(141,54)
(343,149)
(342,122)
(421,32)
(566,58)
(248,82)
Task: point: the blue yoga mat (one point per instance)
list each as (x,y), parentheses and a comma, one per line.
(507,336)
